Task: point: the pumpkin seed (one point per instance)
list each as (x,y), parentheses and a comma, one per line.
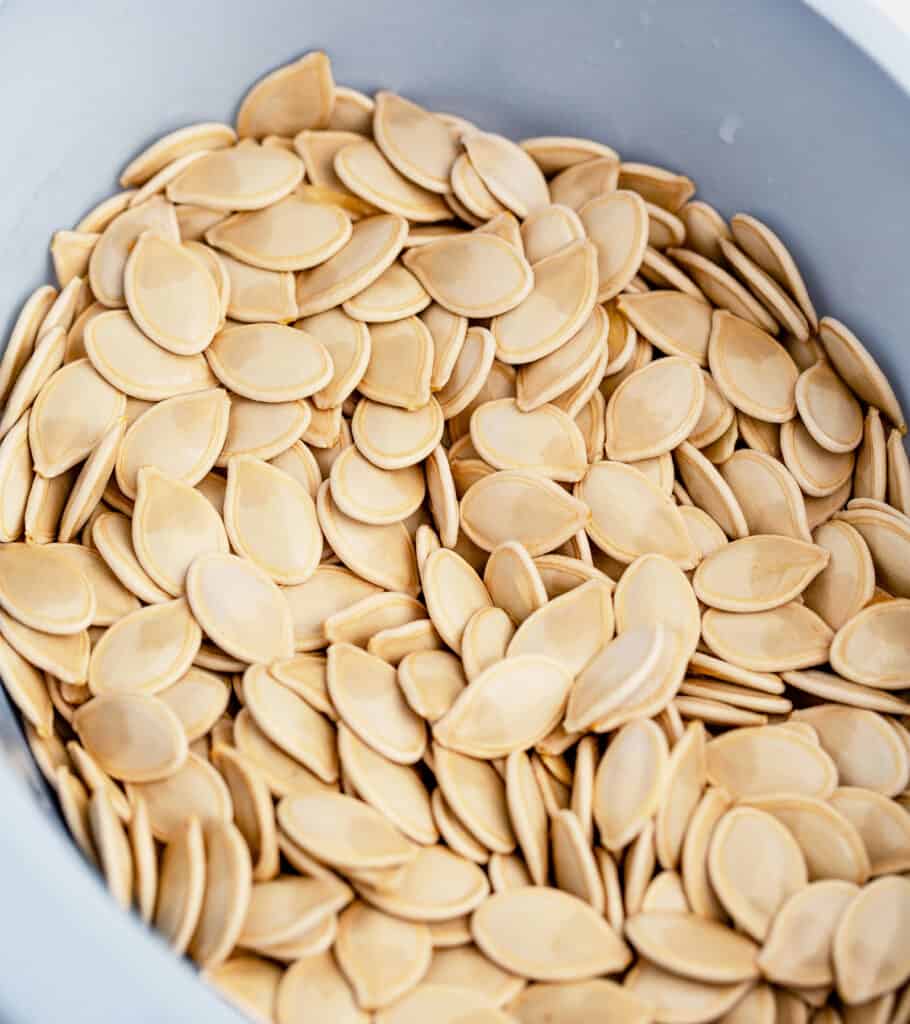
(595,949)
(240,607)
(473,275)
(871,931)
(483,722)
(611,491)
(869,647)
(831,846)
(766,760)
(881,824)
(743,838)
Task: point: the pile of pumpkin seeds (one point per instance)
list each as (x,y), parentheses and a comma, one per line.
(458,580)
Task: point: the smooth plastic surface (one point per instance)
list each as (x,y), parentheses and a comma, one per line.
(766,106)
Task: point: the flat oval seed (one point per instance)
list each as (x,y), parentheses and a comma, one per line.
(138,367)
(871,647)
(859,370)
(132,737)
(528,814)
(614,674)
(544,441)
(888,540)
(871,940)
(473,275)
(430,682)
(676,323)
(110,842)
(21,342)
(64,657)
(437,885)
(735,348)
(846,584)
(394,790)
(570,628)
(419,144)
(198,699)
(453,592)
(171,295)
(654,409)
(246,177)
(563,296)
(172,525)
(544,954)
(612,491)
(292,234)
(364,169)
(226,895)
(394,438)
(446,1004)
(394,295)
(372,495)
(507,171)
(313,987)
(145,651)
(757,573)
(831,845)
(271,520)
(578,1002)
(550,229)
(863,745)
(693,947)
(831,687)
(797,951)
(401,361)
(290,723)
(769,497)
(110,255)
(629,782)
(342,831)
(285,908)
(365,692)
(828,409)
(44,361)
(16,476)
(44,589)
(27,689)
(790,636)
(194,790)
(330,589)
(617,224)
(493,511)
(262,429)
(383,957)
(685,779)
(766,760)
(240,608)
(679,1000)
(882,826)
(181,436)
(818,471)
(545,379)
(755,865)
(70,416)
(374,244)
(384,555)
(249,983)
(510,706)
(477,796)
(269,362)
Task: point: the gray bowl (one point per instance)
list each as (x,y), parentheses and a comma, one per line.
(767,106)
